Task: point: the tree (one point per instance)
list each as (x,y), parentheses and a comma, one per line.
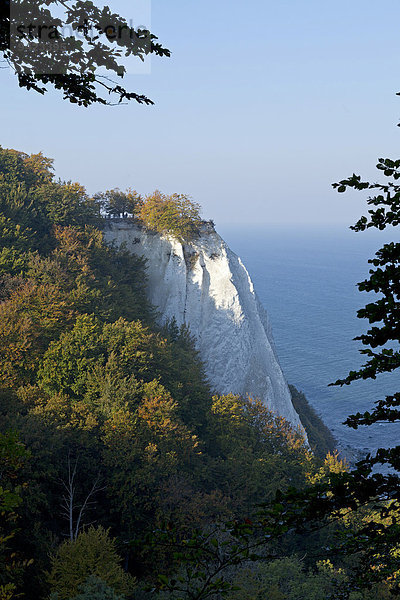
(70,52)
(288,579)
(176,214)
(93,553)
(31,202)
(267,454)
(72,511)
(13,455)
(117,203)
(319,436)
(383,313)
(381,347)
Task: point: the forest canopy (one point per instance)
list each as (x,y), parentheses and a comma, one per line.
(115,453)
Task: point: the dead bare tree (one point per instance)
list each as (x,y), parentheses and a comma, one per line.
(72,510)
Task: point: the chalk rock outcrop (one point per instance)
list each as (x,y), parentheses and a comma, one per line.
(205,285)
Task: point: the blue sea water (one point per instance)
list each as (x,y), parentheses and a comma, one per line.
(306,279)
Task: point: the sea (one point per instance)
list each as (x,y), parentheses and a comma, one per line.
(306,279)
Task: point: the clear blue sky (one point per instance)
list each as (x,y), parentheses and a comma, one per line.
(262,105)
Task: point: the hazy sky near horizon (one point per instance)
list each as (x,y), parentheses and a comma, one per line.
(260,108)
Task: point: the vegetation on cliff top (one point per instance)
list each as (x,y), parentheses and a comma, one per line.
(176,214)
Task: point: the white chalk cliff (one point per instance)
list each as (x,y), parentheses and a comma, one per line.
(205,285)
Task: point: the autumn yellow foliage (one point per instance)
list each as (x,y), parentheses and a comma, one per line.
(176,214)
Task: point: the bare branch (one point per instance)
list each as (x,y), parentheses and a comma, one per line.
(95,488)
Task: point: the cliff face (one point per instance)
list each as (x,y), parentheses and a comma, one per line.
(205,285)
